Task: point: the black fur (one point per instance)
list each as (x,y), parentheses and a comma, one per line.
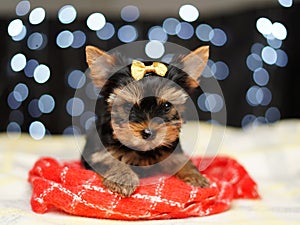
(101,140)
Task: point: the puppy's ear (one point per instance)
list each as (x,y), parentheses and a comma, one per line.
(100,64)
(194,64)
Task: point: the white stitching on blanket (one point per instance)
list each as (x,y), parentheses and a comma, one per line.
(78,198)
(158,192)
(63,174)
(158,199)
(193,194)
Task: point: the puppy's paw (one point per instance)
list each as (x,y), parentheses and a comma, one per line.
(124,184)
(196,179)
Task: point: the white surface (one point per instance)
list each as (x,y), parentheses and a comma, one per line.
(270,154)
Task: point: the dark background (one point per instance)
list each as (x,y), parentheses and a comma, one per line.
(241,32)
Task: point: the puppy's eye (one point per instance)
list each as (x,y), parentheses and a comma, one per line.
(127,107)
(166,107)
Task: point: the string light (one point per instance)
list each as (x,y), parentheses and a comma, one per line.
(188,13)
(41,74)
(18,62)
(155,49)
(75,106)
(96,21)
(106,32)
(15,27)
(171,26)
(37,16)
(46,103)
(130,13)
(67,14)
(37,130)
(65,39)
(22,8)
(127,33)
(157,33)
(37,41)
(185,27)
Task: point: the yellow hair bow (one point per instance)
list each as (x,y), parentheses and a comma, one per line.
(138,69)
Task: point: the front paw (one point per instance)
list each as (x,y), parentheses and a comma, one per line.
(124,184)
(196,179)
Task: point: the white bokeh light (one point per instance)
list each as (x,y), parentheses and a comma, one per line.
(37,130)
(15,27)
(203,31)
(76,79)
(41,73)
(13,130)
(214,103)
(261,76)
(127,33)
(96,21)
(12,102)
(269,55)
(65,39)
(67,14)
(254,61)
(264,26)
(79,39)
(170,26)
(254,96)
(220,70)
(188,13)
(282,58)
(155,49)
(46,103)
(37,16)
(130,13)
(37,41)
(286,3)
(33,108)
(218,37)
(75,106)
(21,92)
(274,42)
(279,31)
(185,30)
(272,115)
(18,62)
(157,33)
(22,8)
(21,35)
(106,32)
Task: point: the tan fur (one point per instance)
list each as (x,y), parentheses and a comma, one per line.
(194,64)
(100,64)
(129,134)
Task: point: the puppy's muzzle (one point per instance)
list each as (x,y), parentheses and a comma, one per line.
(148,134)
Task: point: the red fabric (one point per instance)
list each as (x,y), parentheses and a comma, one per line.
(69,187)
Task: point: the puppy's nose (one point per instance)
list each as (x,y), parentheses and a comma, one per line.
(148,133)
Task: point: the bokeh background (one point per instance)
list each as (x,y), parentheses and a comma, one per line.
(254,54)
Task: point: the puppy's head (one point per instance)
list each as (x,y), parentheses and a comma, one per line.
(146,106)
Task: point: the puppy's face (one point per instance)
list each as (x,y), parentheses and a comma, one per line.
(146,113)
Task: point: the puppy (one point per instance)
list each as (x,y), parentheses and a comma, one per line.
(139,117)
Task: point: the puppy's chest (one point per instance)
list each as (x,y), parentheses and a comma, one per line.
(138,158)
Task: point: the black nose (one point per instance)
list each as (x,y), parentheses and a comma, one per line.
(148,133)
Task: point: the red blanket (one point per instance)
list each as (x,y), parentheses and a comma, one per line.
(69,187)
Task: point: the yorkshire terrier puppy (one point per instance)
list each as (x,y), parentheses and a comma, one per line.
(139,117)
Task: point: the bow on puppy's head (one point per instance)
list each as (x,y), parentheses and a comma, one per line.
(138,69)
(101,65)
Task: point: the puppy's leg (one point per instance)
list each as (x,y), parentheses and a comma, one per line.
(190,174)
(185,170)
(117,176)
